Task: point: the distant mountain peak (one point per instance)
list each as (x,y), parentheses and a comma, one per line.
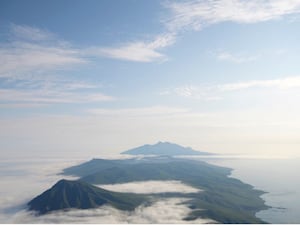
(164,148)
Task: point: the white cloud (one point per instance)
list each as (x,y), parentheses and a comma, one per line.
(235,58)
(19,59)
(22,105)
(283,83)
(197,92)
(139,51)
(186,91)
(133,112)
(31,65)
(196,14)
(146,187)
(31,53)
(80,85)
(22,179)
(163,211)
(31,33)
(41,96)
(216,92)
(184,15)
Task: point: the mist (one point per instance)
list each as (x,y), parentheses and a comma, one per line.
(170,210)
(22,180)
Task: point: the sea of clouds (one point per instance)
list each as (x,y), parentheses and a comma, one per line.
(23,179)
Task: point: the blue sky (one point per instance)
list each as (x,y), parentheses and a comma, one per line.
(99,77)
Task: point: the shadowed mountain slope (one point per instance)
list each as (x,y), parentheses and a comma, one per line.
(78,194)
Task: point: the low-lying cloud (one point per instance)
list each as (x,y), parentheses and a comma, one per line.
(151,187)
(170,210)
(22,180)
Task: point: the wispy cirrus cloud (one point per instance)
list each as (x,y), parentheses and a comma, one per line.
(202,92)
(235,58)
(31,62)
(31,53)
(30,33)
(283,83)
(18,58)
(32,47)
(138,51)
(40,93)
(180,16)
(216,92)
(48,97)
(197,14)
(136,112)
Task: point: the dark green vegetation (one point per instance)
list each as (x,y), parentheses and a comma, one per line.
(78,194)
(164,148)
(224,199)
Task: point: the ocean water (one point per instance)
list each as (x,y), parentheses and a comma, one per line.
(278,177)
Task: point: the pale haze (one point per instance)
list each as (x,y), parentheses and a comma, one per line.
(87,78)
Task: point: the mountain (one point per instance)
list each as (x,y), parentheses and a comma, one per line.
(67,194)
(164,148)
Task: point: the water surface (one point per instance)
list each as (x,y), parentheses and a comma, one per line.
(278,177)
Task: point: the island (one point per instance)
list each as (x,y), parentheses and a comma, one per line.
(223,199)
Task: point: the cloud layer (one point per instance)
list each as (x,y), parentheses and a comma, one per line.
(22,179)
(147,187)
(168,211)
